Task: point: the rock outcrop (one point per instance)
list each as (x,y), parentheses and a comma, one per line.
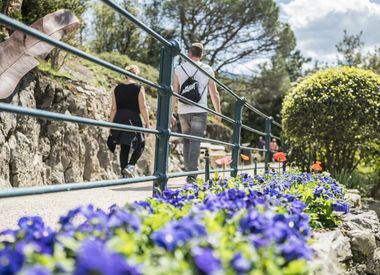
(352,248)
(37,151)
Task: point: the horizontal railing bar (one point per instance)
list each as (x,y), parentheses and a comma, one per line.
(203,107)
(276,137)
(137,22)
(252,130)
(277,124)
(191,173)
(249,106)
(75,119)
(175,134)
(14,24)
(184,56)
(222,171)
(26,191)
(251,168)
(248,169)
(252,148)
(183,174)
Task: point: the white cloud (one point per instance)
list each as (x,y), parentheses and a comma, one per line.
(319,24)
(303,12)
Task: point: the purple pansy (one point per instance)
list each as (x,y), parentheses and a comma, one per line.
(177,233)
(240,264)
(206,261)
(94,258)
(11,261)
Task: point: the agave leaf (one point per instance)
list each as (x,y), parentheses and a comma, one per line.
(19,54)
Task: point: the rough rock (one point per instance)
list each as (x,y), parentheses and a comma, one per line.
(373,265)
(37,151)
(362,227)
(363,243)
(329,257)
(361,220)
(353,198)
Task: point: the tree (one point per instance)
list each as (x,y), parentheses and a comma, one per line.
(333,115)
(267,90)
(32,10)
(149,50)
(350,49)
(232,31)
(372,60)
(114,32)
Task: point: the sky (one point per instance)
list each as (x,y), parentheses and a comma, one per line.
(318,25)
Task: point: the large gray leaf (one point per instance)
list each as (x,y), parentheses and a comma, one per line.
(18,54)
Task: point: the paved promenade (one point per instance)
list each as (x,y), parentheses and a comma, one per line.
(52,205)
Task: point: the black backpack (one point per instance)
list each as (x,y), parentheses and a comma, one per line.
(190,88)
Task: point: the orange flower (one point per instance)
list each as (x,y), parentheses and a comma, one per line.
(316,167)
(280,157)
(223,161)
(244,157)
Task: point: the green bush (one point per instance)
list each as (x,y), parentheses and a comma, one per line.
(333,116)
(108,78)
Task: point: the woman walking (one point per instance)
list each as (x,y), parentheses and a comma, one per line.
(128,102)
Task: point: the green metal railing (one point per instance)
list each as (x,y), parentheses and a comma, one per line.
(170,49)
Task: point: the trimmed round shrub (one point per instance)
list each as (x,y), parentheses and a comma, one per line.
(333,116)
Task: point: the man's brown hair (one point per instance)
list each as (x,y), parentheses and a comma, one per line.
(196,49)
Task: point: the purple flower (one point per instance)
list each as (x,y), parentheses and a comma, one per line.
(240,264)
(142,204)
(297,207)
(341,206)
(38,270)
(10,261)
(94,258)
(205,260)
(254,222)
(295,249)
(33,223)
(121,217)
(279,232)
(318,192)
(178,232)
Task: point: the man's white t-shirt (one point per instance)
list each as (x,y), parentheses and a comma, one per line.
(203,85)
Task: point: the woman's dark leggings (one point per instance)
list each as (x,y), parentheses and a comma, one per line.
(124,154)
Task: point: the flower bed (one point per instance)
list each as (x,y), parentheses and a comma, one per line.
(235,226)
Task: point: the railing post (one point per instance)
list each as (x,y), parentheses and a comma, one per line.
(164,106)
(207,165)
(255,167)
(237,135)
(268,130)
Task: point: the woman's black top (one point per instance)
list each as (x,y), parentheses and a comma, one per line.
(127,96)
(128,113)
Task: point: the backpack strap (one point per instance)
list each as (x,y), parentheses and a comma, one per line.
(204,90)
(187,73)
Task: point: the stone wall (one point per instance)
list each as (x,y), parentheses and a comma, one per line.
(353,247)
(39,152)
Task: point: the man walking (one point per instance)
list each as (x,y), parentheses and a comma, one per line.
(193,84)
